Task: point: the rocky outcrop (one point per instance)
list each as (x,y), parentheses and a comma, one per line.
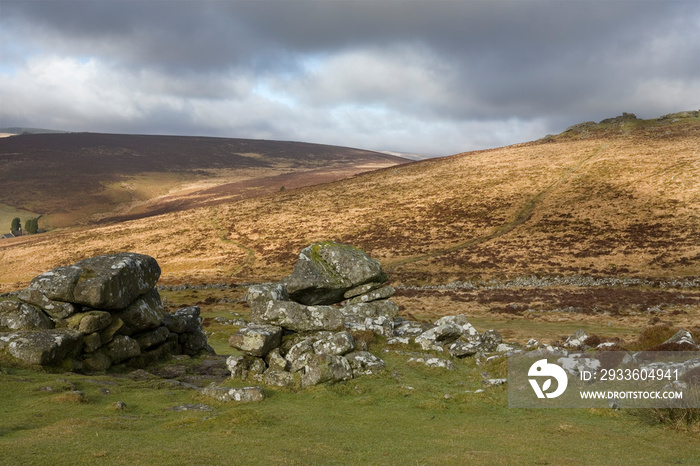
(98,312)
(327,271)
(110,282)
(299,317)
(682,340)
(42,348)
(256,339)
(336,291)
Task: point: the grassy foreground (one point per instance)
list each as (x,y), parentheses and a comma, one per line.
(410,414)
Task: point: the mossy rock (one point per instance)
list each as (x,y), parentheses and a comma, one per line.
(326,270)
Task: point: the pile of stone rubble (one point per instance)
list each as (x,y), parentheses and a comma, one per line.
(301,330)
(99,312)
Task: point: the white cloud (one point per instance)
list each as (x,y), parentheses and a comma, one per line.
(57,91)
(419,76)
(400,77)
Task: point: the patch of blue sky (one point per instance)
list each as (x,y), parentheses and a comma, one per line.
(272,94)
(311,63)
(12,57)
(15,54)
(8,69)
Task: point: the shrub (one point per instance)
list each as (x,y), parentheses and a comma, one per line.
(679,419)
(653,336)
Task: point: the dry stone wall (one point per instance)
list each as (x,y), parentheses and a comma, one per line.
(99,312)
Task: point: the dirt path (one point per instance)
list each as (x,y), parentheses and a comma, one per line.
(250,254)
(522,216)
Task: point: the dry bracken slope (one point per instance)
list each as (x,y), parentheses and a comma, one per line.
(621,199)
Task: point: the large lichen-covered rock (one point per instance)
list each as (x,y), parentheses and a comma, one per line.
(299,317)
(194,343)
(243,365)
(45,348)
(322,368)
(257,339)
(240,395)
(152,337)
(364,363)
(55,309)
(15,315)
(281,379)
(90,322)
(384,292)
(58,284)
(380,325)
(490,340)
(384,307)
(275,361)
(106,310)
(336,344)
(326,271)
(184,320)
(298,354)
(109,282)
(259,295)
(122,348)
(145,313)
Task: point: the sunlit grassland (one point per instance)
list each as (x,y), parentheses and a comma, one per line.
(410,414)
(618,204)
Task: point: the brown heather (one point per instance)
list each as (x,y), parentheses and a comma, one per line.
(626,204)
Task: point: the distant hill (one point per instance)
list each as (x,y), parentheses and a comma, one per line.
(618,199)
(22,130)
(78,178)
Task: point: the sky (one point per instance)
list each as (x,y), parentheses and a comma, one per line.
(433,77)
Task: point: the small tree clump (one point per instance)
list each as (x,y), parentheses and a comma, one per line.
(31,226)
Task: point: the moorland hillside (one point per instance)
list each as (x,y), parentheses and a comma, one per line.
(619,198)
(87,178)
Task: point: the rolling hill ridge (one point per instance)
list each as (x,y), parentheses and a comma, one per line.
(82,178)
(620,199)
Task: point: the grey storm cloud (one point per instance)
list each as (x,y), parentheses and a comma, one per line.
(416,76)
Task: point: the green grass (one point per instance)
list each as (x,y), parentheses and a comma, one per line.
(409,414)
(402,416)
